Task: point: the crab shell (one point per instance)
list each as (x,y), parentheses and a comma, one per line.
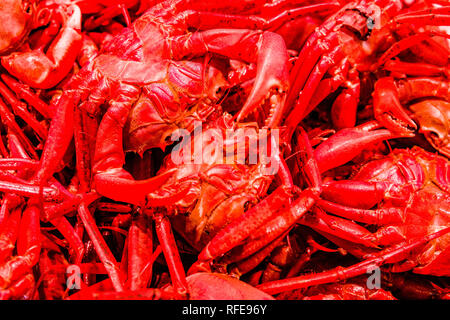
(17,19)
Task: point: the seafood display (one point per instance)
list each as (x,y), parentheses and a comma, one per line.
(211,150)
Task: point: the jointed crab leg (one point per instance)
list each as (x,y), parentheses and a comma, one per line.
(389,255)
(8,119)
(171,254)
(104,253)
(24,92)
(28,248)
(59,136)
(20,109)
(140,244)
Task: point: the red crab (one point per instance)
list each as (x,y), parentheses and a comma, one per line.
(409,188)
(359,39)
(411,191)
(151,91)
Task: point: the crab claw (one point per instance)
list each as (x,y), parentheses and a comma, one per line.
(121,187)
(388,109)
(272,73)
(44,70)
(433,117)
(347,143)
(271,79)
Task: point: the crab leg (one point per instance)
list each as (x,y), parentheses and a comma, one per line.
(235,232)
(24,92)
(106,15)
(9,231)
(104,253)
(19,288)
(61,223)
(140,244)
(415,69)
(342,228)
(20,109)
(390,215)
(71,236)
(8,119)
(28,248)
(400,46)
(171,254)
(213,20)
(389,255)
(250,263)
(59,136)
(281,221)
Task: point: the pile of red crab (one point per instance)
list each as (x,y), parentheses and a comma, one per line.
(193,149)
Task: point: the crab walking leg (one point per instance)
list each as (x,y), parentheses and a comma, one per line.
(389,255)
(24,92)
(400,46)
(279,223)
(8,119)
(345,229)
(9,231)
(250,263)
(29,190)
(28,248)
(59,136)
(238,230)
(171,254)
(61,223)
(19,288)
(101,248)
(106,15)
(84,137)
(68,232)
(415,69)
(308,57)
(389,215)
(19,108)
(204,20)
(139,244)
(18,163)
